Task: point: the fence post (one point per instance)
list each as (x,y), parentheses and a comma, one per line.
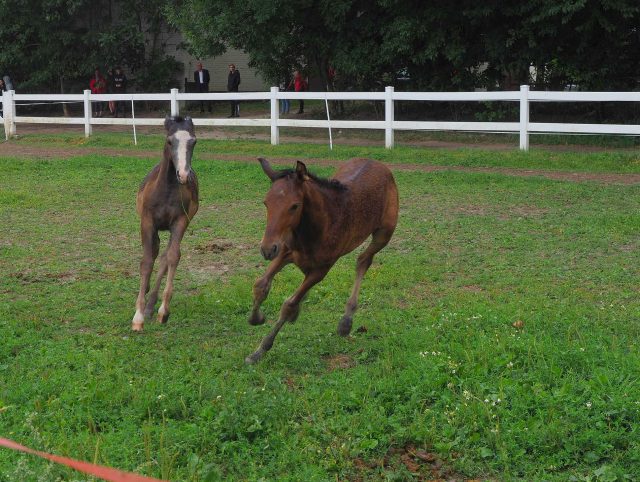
(275,115)
(524,117)
(11,108)
(175,109)
(388,117)
(87,113)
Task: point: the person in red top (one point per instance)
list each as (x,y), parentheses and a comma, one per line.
(98,85)
(299,85)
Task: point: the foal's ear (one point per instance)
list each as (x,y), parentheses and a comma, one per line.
(168,120)
(301,171)
(266,167)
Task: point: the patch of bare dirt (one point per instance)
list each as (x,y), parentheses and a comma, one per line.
(473,210)
(213,247)
(209,270)
(422,464)
(522,211)
(473,288)
(30,278)
(339,362)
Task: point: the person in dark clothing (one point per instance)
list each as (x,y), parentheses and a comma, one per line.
(299,84)
(233,81)
(119,87)
(111,103)
(201,78)
(3,88)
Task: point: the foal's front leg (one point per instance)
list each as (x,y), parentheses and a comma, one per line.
(263,284)
(289,312)
(172,259)
(150,248)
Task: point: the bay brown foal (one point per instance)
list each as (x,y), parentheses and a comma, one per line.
(312,222)
(167,201)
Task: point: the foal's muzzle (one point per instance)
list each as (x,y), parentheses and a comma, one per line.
(270,251)
(183,177)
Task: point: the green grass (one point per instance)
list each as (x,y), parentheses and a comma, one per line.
(440,366)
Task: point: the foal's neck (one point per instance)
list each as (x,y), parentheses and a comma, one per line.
(324,207)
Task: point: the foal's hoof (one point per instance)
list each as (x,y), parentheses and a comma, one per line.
(162,318)
(257,319)
(137,326)
(344,327)
(253,358)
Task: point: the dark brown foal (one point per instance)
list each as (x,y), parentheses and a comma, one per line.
(312,222)
(167,201)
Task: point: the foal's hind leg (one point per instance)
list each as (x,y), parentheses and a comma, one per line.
(172,260)
(379,240)
(150,247)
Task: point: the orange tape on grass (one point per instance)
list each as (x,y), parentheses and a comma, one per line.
(105,473)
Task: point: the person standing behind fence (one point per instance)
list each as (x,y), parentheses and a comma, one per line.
(3,87)
(201,78)
(119,87)
(284,103)
(233,82)
(8,85)
(98,85)
(111,104)
(299,85)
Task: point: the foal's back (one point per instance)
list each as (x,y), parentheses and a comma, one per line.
(372,191)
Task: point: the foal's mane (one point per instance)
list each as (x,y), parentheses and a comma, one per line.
(322,181)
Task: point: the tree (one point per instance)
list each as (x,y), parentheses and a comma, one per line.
(439,45)
(49,43)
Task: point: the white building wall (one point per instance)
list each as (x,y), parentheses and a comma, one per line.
(218,67)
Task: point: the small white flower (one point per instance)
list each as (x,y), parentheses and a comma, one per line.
(486,400)
(510,365)
(588,404)
(466,394)
(161,396)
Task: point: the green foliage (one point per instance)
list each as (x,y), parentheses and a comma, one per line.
(49,44)
(441,46)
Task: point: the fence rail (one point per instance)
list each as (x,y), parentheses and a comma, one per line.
(523,97)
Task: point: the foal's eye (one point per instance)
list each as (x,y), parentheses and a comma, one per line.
(294,207)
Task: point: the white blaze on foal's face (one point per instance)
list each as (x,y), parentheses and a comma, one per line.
(182,143)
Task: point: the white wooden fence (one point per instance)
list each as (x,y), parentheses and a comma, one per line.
(523,97)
